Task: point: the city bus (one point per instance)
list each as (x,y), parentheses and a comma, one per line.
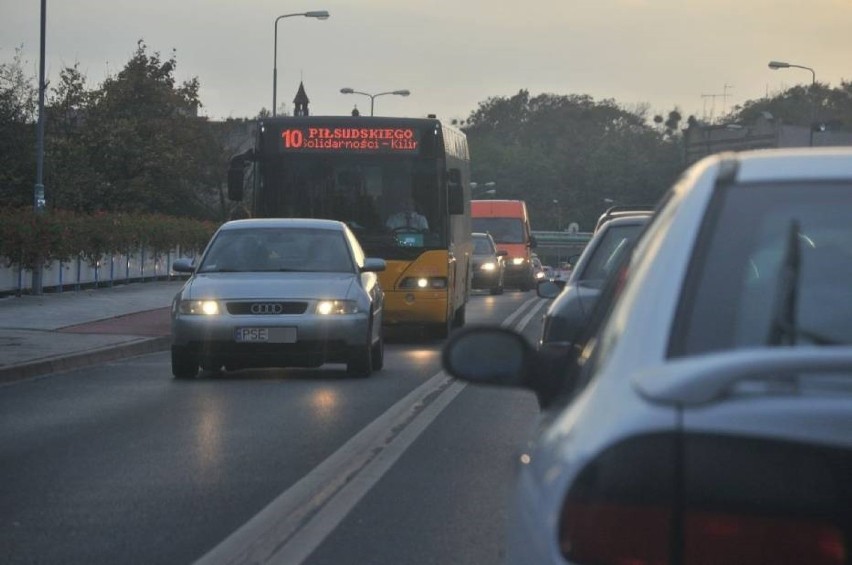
(369,172)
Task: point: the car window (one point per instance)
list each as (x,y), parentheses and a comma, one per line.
(779,257)
(606,253)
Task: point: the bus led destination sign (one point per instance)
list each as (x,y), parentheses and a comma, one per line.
(359,140)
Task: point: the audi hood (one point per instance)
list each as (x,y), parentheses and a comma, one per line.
(235,286)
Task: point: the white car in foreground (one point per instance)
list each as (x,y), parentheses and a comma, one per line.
(279,293)
(708,419)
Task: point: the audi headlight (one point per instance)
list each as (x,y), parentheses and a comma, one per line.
(489,266)
(423,283)
(336,307)
(199,307)
(517,260)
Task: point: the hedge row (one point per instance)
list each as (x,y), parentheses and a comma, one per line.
(59,235)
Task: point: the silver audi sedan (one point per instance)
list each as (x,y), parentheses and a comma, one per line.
(279,293)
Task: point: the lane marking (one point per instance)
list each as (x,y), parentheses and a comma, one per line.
(293,525)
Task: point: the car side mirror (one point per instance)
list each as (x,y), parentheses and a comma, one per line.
(183,265)
(373,265)
(235,182)
(502,253)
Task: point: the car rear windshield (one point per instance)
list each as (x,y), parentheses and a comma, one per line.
(775,269)
(482,246)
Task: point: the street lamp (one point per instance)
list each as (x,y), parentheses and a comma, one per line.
(775,65)
(373,97)
(320,15)
(38,189)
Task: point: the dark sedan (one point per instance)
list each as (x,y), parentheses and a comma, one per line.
(489,265)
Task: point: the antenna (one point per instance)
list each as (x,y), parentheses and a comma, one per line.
(712,97)
(725,88)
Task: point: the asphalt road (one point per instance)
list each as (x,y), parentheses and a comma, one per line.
(119,463)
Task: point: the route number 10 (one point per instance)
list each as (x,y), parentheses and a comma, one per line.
(293,138)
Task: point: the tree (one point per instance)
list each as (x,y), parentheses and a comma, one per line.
(149,151)
(18,96)
(572,149)
(801,104)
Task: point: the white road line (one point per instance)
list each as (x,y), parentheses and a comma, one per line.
(300,546)
(533,311)
(508,321)
(293,525)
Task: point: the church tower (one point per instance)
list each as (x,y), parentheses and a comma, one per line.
(300,102)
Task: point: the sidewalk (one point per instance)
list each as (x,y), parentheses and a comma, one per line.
(68,330)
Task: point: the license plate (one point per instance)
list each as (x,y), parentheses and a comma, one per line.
(265,335)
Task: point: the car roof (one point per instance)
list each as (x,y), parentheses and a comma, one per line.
(617,212)
(626,220)
(315,223)
(824,163)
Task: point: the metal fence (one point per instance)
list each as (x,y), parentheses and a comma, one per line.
(78,274)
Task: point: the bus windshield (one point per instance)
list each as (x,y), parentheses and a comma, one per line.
(392,203)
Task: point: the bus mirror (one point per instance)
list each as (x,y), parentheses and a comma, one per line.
(235,182)
(453,176)
(455,193)
(533,242)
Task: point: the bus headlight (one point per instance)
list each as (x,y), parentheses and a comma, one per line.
(199,307)
(423,283)
(336,307)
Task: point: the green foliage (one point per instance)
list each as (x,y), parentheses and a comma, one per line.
(18,101)
(61,235)
(134,144)
(572,150)
(802,104)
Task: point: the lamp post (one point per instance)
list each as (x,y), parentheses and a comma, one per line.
(775,65)
(320,15)
(38,189)
(373,97)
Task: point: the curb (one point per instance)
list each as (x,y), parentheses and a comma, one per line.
(80,360)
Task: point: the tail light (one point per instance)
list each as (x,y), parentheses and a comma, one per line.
(724,538)
(613,534)
(742,500)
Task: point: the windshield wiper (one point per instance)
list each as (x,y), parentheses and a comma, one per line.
(783,330)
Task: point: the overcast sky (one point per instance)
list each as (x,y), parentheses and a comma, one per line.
(451,54)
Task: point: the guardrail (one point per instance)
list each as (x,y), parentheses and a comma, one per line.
(78,274)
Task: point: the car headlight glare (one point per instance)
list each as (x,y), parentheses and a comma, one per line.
(199,307)
(517,260)
(423,283)
(336,307)
(489,266)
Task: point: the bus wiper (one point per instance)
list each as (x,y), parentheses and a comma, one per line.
(783,330)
